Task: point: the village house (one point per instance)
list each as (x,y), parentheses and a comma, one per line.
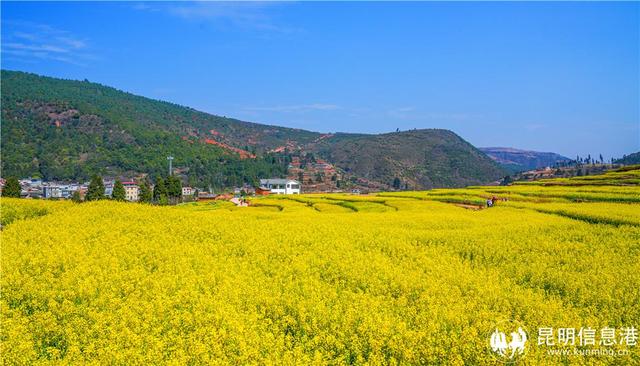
(131,191)
(280,186)
(51,191)
(108,187)
(59,190)
(31,188)
(187,191)
(206,196)
(262,191)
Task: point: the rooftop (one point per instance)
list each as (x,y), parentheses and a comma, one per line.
(277,181)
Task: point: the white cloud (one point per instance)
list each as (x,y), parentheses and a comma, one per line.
(27,41)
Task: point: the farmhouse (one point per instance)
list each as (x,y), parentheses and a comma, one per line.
(206,196)
(131,191)
(52,191)
(263,191)
(187,191)
(280,186)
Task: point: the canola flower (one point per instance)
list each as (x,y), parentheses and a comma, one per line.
(402,278)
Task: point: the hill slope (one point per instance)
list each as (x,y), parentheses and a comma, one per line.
(521,160)
(419,158)
(65,129)
(633,158)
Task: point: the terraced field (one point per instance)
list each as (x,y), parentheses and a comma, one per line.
(392,278)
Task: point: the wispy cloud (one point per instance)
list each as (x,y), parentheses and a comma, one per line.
(27,41)
(240,14)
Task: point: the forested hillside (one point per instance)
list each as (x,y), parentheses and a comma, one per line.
(414,159)
(61,129)
(67,130)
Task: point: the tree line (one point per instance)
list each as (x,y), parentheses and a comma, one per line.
(164,192)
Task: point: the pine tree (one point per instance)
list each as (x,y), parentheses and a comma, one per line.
(96,189)
(11,188)
(396,183)
(145,193)
(160,192)
(174,187)
(118,193)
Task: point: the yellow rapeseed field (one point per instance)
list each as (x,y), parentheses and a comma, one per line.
(406,278)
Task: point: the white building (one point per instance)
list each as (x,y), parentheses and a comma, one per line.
(281,186)
(187,191)
(131,191)
(67,190)
(108,187)
(52,191)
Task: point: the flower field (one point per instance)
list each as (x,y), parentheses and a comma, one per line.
(394,278)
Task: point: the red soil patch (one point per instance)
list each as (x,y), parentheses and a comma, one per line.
(243,154)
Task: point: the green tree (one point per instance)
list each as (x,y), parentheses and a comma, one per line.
(396,183)
(145,195)
(160,191)
(75,196)
(119,193)
(96,189)
(174,187)
(11,188)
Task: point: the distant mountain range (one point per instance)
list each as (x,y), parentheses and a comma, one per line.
(67,130)
(516,160)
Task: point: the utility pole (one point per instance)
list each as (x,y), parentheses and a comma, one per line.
(170,158)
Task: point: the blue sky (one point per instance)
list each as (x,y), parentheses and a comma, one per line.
(561,77)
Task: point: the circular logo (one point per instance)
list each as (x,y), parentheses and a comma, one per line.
(507,341)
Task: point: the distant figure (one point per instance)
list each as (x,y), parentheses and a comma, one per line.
(493,200)
(489,203)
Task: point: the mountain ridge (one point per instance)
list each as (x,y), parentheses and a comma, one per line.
(63,129)
(516,160)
